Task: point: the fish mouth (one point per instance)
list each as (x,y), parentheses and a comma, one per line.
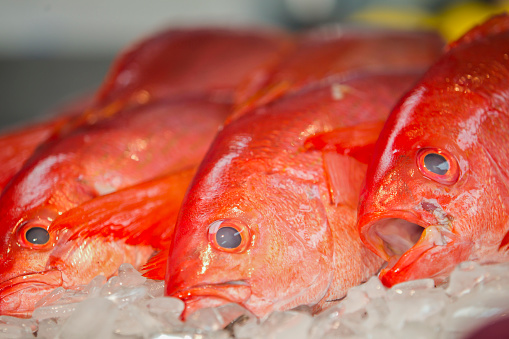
(408,244)
(19,294)
(213,295)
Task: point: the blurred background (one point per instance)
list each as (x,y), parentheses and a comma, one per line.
(53,50)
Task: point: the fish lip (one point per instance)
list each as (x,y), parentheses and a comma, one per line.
(372,239)
(431,237)
(233,290)
(213,295)
(49,278)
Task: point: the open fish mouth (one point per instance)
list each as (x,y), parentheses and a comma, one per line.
(213,295)
(403,240)
(391,236)
(19,294)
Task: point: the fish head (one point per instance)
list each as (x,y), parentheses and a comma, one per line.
(37,253)
(427,201)
(249,235)
(40,254)
(25,247)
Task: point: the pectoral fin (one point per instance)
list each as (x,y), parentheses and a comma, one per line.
(155,268)
(344,178)
(144,214)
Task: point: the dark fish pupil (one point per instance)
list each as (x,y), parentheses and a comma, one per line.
(436,163)
(37,236)
(228,237)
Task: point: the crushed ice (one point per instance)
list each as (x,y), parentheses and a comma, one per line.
(131,306)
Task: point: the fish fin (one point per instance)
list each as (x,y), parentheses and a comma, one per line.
(355,141)
(504,244)
(155,268)
(344,177)
(143,214)
(498,23)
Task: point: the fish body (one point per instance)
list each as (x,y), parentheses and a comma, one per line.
(314,61)
(270,225)
(437,189)
(17,144)
(206,63)
(91,162)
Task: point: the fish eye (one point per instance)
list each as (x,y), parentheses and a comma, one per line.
(438,165)
(37,236)
(229,235)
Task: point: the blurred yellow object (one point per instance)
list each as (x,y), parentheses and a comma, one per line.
(406,18)
(457,19)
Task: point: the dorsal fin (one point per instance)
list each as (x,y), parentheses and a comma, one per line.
(155,268)
(143,214)
(495,25)
(355,141)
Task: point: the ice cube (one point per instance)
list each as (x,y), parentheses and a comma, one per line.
(414,301)
(12,327)
(132,321)
(93,318)
(279,325)
(326,322)
(355,300)
(465,277)
(289,324)
(215,318)
(166,305)
(112,285)
(51,298)
(93,289)
(410,288)
(129,276)
(125,296)
(374,288)
(474,308)
(54,311)
(48,328)
(155,288)
(376,313)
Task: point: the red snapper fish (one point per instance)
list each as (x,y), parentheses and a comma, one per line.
(437,189)
(270,225)
(40,252)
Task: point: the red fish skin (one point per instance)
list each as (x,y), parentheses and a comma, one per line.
(302,249)
(178,63)
(459,109)
(17,144)
(132,147)
(314,61)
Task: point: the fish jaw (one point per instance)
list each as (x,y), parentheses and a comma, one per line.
(19,295)
(413,248)
(211,295)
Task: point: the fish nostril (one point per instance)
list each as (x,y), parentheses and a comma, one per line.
(397,235)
